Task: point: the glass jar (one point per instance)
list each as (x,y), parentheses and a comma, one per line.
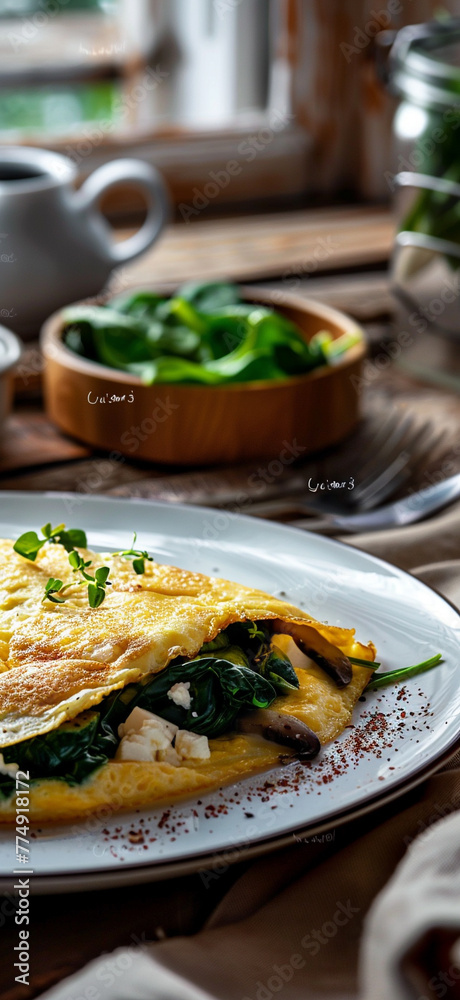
(425,73)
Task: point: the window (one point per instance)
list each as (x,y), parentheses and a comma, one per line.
(182,83)
(281,87)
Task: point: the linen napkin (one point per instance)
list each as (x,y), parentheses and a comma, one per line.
(371,912)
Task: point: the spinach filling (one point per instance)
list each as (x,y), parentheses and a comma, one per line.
(239,670)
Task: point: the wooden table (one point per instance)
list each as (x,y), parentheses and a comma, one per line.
(34,456)
(321,253)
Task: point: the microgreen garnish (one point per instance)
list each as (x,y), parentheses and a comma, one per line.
(96,590)
(401,674)
(70,538)
(137,556)
(96,584)
(79,565)
(29,544)
(52,588)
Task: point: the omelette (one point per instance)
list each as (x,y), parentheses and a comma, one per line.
(174,684)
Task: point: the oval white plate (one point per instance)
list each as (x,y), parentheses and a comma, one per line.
(398,734)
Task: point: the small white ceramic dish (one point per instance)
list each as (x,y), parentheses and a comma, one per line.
(10,352)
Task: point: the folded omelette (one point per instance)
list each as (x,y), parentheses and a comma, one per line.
(176,684)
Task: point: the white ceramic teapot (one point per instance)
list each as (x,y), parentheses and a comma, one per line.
(55,244)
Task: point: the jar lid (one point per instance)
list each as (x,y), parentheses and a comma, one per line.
(425,62)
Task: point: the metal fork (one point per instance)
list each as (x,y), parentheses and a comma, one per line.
(394,457)
(401,513)
(383,455)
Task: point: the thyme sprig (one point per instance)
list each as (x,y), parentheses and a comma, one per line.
(138,556)
(29,545)
(97,584)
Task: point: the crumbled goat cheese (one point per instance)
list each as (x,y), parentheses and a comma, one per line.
(169,756)
(145,743)
(180,694)
(136,720)
(130,749)
(147,737)
(191,746)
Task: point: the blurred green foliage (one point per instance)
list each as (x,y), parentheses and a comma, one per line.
(55,108)
(25,8)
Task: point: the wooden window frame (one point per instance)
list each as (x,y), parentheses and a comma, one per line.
(263,158)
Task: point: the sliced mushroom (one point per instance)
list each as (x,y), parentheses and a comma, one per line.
(319,649)
(283,729)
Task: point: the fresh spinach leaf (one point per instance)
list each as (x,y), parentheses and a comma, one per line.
(278,669)
(203,335)
(219,690)
(210,296)
(144,305)
(174,369)
(236,671)
(7,786)
(68,752)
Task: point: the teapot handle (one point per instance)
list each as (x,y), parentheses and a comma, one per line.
(150,183)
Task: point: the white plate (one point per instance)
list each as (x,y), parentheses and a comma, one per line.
(397,736)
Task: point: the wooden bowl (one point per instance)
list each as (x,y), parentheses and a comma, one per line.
(201,425)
